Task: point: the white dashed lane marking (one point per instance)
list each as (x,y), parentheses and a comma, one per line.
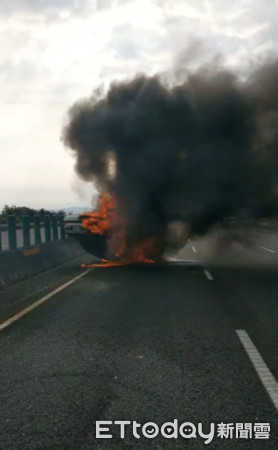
(266,377)
(208,275)
(194,249)
(268,250)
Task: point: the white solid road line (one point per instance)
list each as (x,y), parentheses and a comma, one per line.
(29,308)
(194,249)
(208,275)
(268,249)
(260,366)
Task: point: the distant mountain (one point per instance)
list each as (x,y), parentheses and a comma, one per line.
(76,209)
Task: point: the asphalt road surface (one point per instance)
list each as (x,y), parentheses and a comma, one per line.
(145,344)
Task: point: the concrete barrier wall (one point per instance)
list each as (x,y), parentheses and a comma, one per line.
(16,265)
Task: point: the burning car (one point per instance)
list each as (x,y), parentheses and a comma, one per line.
(102,234)
(96,244)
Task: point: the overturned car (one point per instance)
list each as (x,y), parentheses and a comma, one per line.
(113,245)
(96,244)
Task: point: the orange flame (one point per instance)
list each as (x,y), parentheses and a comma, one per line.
(101,222)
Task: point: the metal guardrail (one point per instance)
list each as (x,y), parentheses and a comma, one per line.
(20,232)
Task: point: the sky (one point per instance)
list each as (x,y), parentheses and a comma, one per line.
(54,52)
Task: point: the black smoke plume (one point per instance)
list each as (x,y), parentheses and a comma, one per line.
(198,152)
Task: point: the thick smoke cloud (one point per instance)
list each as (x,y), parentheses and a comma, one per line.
(198,152)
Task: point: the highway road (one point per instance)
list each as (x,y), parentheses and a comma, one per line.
(184,341)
